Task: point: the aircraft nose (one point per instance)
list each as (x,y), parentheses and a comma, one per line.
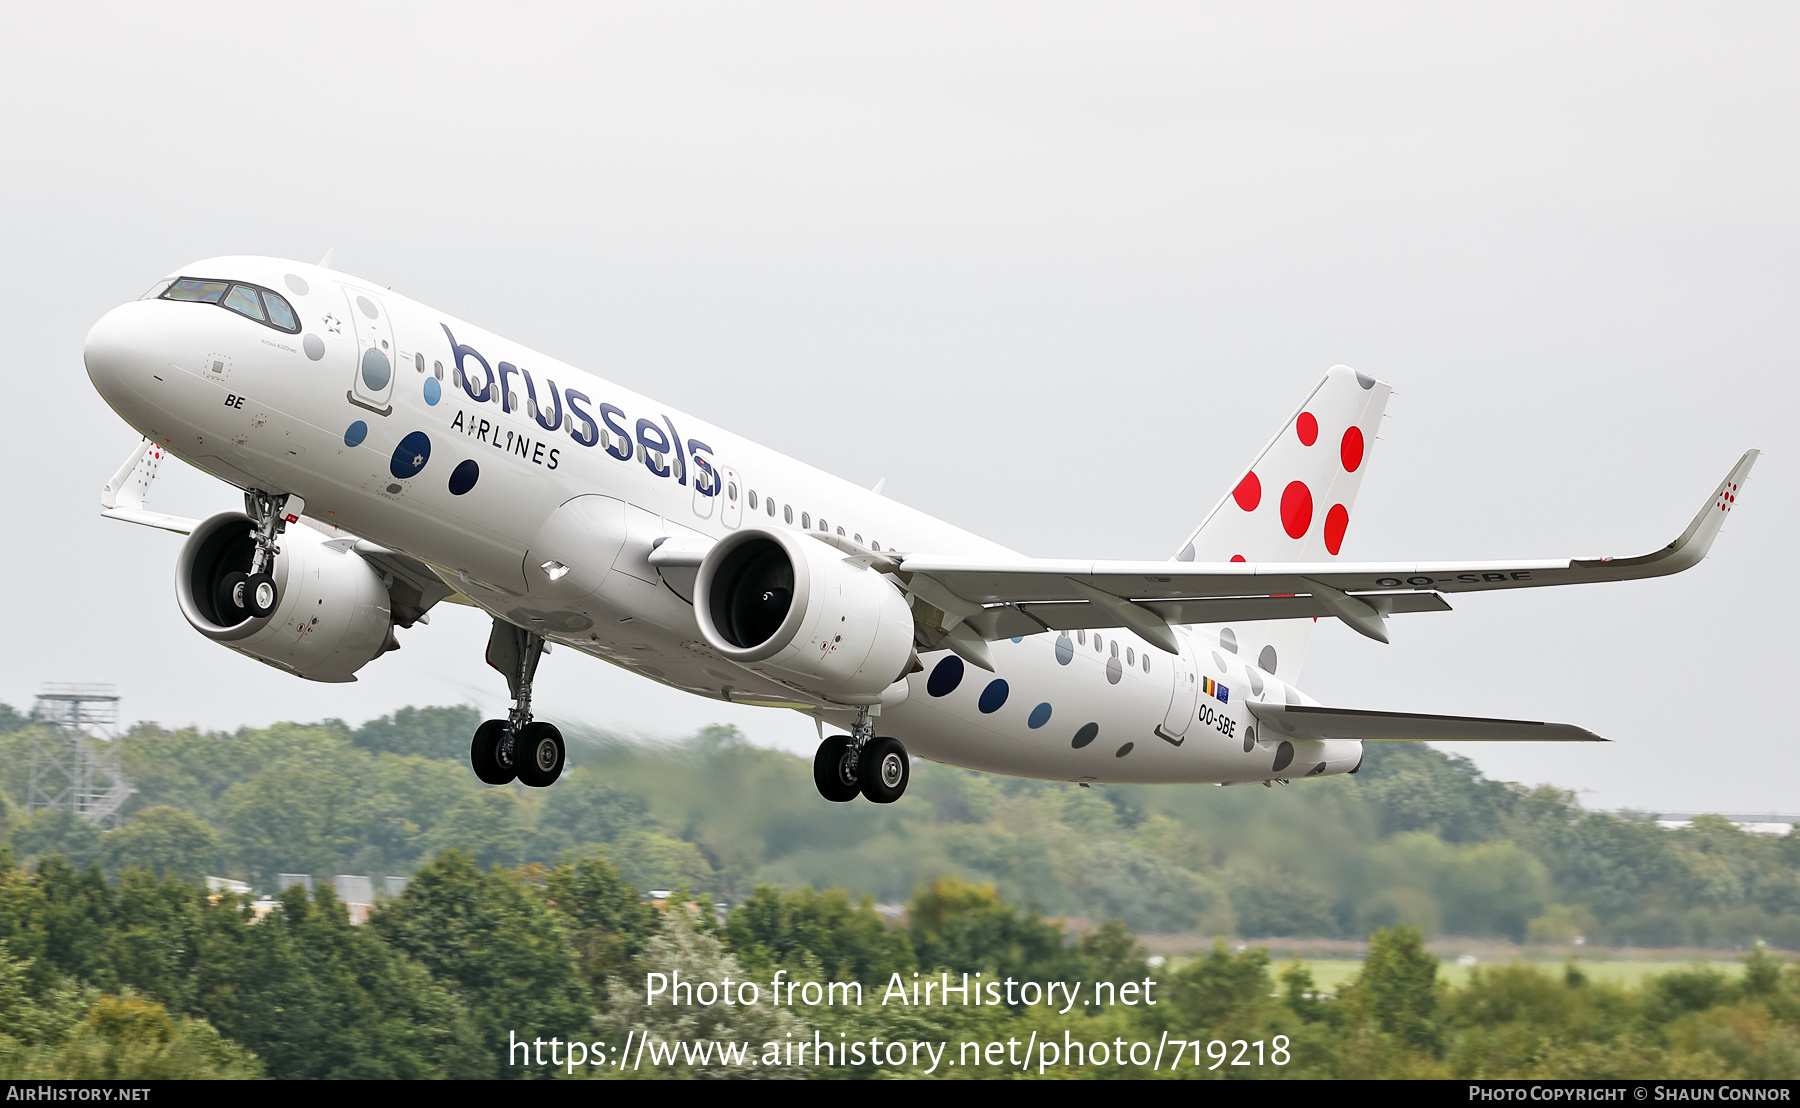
(117,352)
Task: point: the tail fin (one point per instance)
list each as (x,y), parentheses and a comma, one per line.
(1293,504)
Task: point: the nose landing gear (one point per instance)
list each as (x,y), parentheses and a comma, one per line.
(516,746)
(253,595)
(861,764)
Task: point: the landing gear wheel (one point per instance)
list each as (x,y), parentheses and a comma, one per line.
(831,770)
(488,755)
(259,594)
(540,755)
(233,598)
(884,769)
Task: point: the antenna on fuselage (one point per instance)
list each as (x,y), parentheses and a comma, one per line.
(325,262)
(877,489)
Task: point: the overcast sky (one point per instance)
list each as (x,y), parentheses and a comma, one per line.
(1054,271)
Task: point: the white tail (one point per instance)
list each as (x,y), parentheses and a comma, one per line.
(1293,503)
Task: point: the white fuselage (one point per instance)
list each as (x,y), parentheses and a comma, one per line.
(296,413)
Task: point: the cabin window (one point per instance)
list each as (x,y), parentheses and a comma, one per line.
(823,526)
(787,513)
(805,521)
(1081,637)
(858,538)
(1115,648)
(753,500)
(770,501)
(1146,661)
(437,370)
(1130,656)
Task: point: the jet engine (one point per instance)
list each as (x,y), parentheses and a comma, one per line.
(794,609)
(332,616)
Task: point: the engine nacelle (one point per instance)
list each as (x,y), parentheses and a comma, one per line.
(794,609)
(332,614)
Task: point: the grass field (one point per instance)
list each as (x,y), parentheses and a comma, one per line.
(1331,975)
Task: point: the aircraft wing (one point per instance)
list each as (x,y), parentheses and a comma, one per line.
(1308,722)
(1002,599)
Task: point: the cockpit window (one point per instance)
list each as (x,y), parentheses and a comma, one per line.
(260,304)
(243,299)
(206,292)
(158,289)
(282,316)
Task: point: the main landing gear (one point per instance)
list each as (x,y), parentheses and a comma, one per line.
(515,746)
(861,763)
(253,595)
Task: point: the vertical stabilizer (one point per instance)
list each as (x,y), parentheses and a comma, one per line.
(1293,504)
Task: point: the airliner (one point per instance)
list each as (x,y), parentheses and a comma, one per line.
(393,458)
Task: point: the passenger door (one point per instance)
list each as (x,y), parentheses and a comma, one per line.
(372,385)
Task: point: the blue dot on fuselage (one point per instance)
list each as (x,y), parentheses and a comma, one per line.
(433,391)
(464,476)
(1040,715)
(356,433)
(410,456)
(1018,638)
(945,677)
(992,697)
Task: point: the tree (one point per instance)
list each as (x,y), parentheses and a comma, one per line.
(968,928)
(128,1037)
(486,825)
(433,732)
(493,938)
(1397,987)
(58,831)
(161,840)
(846,941)
(609,921)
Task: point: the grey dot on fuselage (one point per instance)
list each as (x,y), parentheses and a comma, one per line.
(1364,380)
(367,306)
(1187,553)
(295,285)
(314,347)
(1228,639)
(1267,659)
(1124,750)
(1114,670)
(1218,661)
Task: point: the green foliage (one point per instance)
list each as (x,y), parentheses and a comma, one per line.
(492,938)
(803,930)
(431,732)
(129,1038)
(57,831)
(607,920)
(1397,988)
(161,840)
(969,928)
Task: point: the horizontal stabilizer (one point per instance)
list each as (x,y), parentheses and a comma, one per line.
(1308,722)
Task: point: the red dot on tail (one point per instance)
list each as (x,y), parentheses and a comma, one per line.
(1296,509)
(1248,494)
(1308,428)
(1237,557)
(1352,449)
(1336,521)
